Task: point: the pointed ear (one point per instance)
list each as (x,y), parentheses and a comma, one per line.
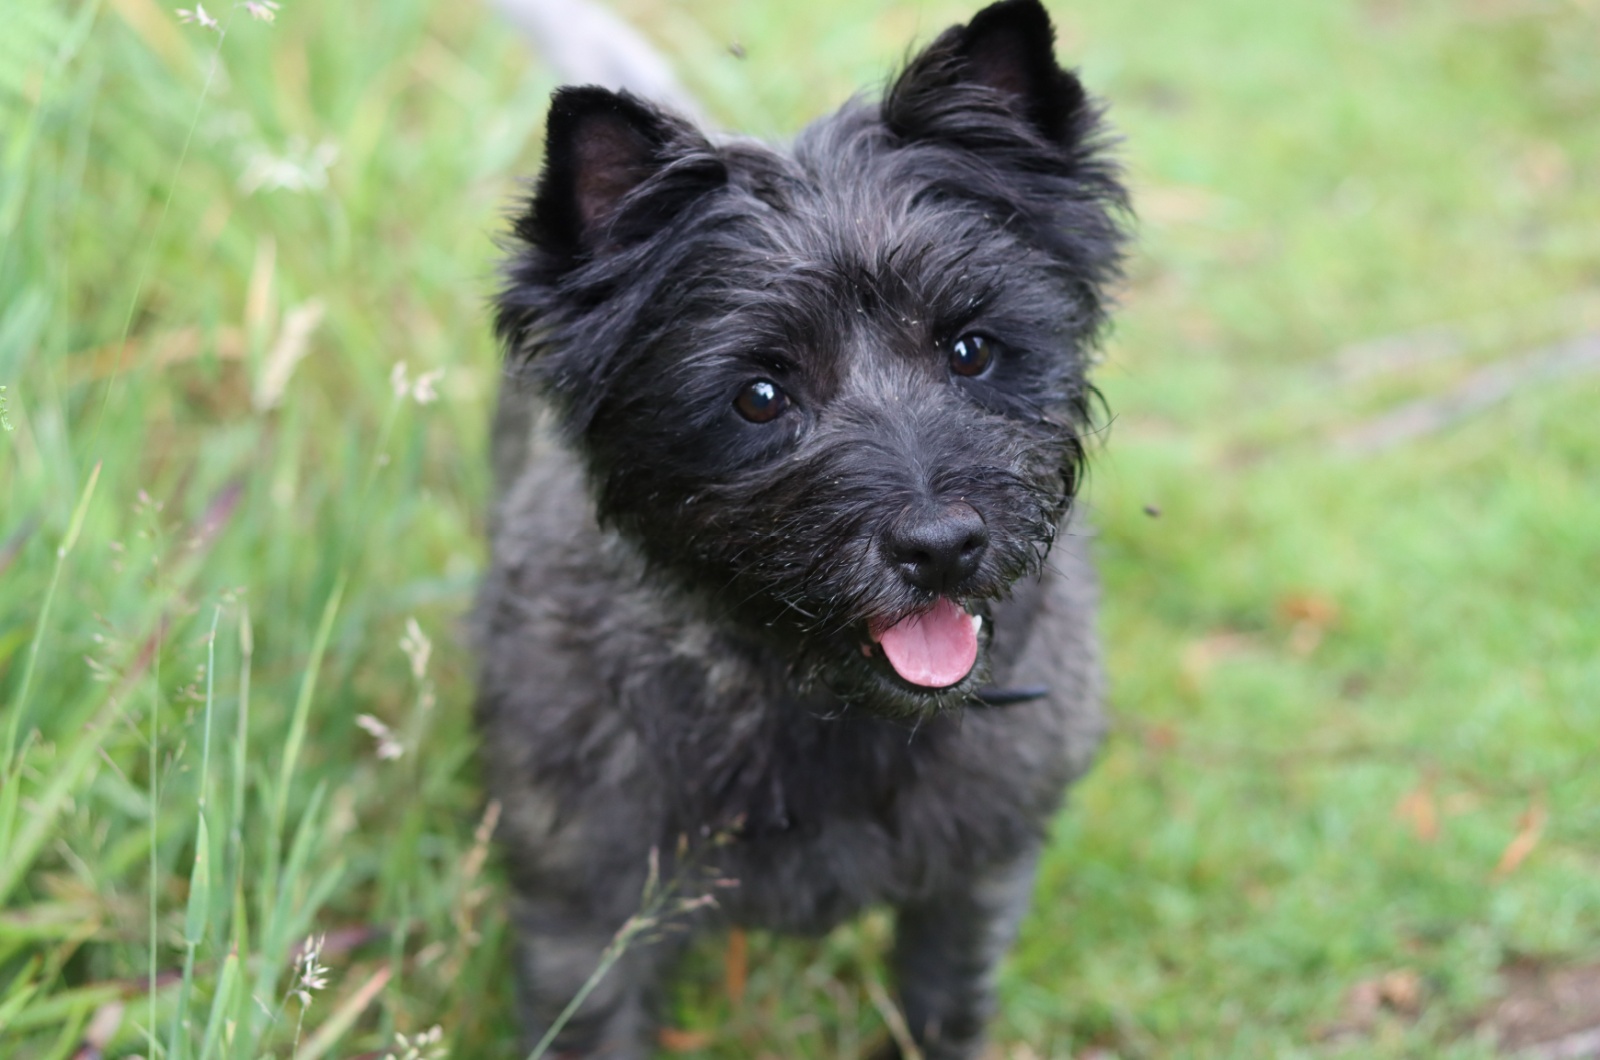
(599,147)
(1008,51)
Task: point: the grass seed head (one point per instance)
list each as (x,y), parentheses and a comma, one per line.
(311,975)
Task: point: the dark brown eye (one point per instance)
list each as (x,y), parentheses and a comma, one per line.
(761,401)
(971,355)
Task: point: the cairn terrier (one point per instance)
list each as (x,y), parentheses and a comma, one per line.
(784,579)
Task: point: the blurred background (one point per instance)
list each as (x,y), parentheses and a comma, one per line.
(1348,504)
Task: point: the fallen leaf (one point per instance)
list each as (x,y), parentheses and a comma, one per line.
(1401,990)
(1310,617)
(1418,809)
(1530,829)
(674,1040)
(1398,991)
(1308,607)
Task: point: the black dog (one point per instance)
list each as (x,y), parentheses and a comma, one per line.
(773,564)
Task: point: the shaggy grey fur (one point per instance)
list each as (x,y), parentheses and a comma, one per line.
(757,400)
(608,706)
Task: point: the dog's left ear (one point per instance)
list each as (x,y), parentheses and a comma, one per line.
(1007,52)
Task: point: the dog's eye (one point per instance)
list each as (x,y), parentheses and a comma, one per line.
(971,355)
(761,401)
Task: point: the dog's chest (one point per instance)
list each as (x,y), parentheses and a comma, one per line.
(817,817)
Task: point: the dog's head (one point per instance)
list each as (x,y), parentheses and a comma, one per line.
(838,392)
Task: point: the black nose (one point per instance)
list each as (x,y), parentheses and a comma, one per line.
(937,549)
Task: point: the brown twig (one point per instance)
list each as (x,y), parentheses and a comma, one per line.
(1480,390)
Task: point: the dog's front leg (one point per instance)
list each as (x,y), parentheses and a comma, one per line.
(559,949)
(946,954)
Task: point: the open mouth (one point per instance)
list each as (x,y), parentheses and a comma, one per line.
(930,649)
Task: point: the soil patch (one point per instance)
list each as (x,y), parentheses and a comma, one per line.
(1547,1005)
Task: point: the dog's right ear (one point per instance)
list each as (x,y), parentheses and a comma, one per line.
(602,147)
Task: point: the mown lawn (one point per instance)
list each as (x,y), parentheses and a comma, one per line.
(1355,769)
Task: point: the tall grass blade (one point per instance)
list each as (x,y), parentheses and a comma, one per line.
(221,1007)
(19,707)
(297,723)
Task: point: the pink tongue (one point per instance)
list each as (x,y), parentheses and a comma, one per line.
(934,650)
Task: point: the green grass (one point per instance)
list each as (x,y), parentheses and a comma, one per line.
(201,590)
